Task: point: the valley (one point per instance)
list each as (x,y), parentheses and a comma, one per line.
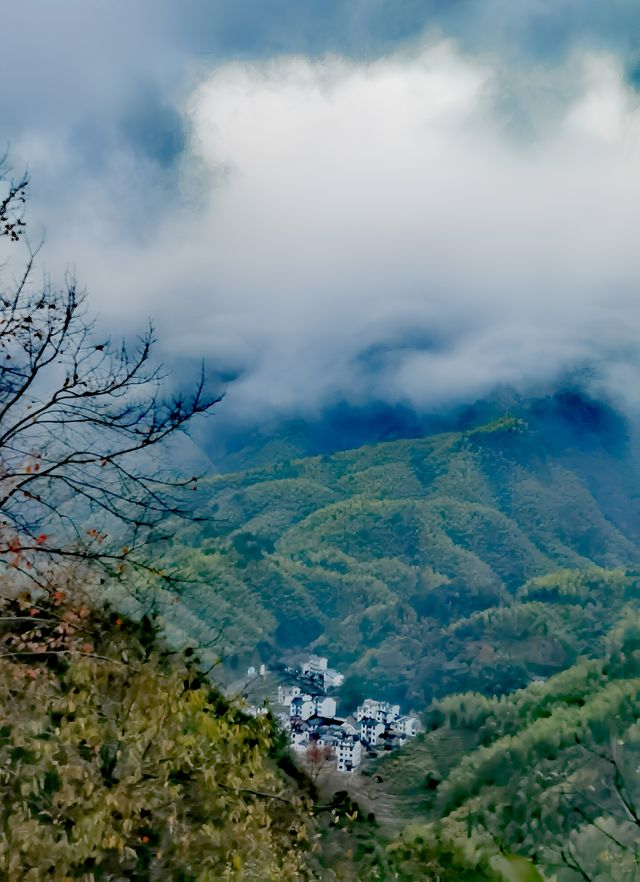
(476,560)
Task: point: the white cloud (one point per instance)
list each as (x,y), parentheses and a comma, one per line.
(341,208)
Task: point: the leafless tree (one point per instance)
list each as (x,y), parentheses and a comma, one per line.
(318,757)
(12,203)
(81,423)
(607,808)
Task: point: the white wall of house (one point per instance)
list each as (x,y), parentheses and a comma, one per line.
(300,741)
(302,706)
(315,664)
(378,710)
(349,754)
(305,706)
(406,725)
(308,709)
(371,730)
(286,693)
(333,679)
(326,707)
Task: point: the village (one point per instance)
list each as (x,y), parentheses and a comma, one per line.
(309,714)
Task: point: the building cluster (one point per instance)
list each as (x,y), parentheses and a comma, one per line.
(378,717)
(309,715)
(317,670)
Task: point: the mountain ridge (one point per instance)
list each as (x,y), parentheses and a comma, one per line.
(370,555)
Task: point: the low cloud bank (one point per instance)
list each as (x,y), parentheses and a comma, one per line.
(415,229)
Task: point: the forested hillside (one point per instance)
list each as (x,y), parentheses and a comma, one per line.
(467,560)
(549,772)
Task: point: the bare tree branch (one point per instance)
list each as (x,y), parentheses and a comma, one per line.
(81,419)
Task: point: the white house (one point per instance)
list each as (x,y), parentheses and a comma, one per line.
(333,679)
(305,706)
(348,754)
(315,664)
(406,725)
(301,706)
(326,707)
(299,740)
(381,711)
(371,730)
(285,694)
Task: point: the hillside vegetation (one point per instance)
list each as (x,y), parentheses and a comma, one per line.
(468,560)
(119,760)
(549,772)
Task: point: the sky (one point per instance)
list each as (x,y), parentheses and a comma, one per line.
(407,201)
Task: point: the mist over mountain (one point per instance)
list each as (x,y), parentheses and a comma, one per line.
(412,214)
(562,414)
(390,557)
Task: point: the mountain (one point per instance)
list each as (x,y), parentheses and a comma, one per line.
(488,576)
(471,559)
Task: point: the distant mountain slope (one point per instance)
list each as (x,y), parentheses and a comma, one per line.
(384,557)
